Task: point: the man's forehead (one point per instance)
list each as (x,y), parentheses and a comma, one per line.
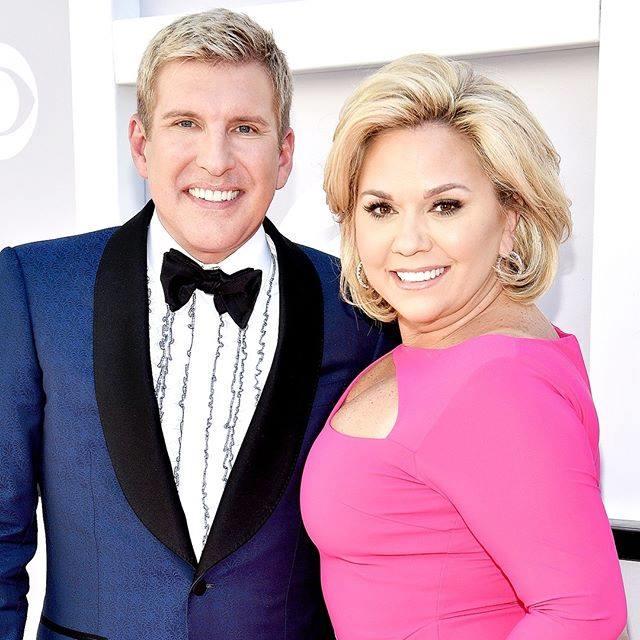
(216,73)
(197,88)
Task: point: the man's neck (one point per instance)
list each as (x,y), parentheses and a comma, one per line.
(253,252)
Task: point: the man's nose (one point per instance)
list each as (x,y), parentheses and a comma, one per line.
(215,153)
(412,235)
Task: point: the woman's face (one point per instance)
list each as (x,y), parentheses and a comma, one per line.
(428,225)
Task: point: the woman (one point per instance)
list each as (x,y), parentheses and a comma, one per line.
(454,491)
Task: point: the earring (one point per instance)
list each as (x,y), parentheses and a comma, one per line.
(514,265)
(359,277)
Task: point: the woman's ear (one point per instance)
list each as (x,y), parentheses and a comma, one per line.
(512,216)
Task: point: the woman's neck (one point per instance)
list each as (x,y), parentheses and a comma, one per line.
(480,315)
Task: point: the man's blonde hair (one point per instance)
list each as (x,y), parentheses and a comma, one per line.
(217,36)
(512,147)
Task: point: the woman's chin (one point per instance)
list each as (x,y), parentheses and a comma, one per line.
(420,317)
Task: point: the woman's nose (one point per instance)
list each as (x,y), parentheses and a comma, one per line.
(412,236)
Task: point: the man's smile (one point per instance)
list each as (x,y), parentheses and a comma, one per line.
(214,196)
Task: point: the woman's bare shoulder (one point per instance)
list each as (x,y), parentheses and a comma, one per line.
(383,371)
(370,409)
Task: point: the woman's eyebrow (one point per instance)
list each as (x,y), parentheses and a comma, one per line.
(443,187)
(377,194)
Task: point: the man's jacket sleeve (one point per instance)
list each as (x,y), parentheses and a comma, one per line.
(21,413)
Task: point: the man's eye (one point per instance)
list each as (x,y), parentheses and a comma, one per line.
(186,124)
(245,128)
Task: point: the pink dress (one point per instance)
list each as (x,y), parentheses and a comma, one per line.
(479,517)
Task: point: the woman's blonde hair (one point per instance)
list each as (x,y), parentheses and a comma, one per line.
(512,147)
(214,36)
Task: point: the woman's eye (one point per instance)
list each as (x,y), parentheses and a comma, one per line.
(447,207)
(378,209)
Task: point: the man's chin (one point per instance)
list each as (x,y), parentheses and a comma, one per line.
(210,250)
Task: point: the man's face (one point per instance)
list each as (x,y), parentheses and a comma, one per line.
(212,157)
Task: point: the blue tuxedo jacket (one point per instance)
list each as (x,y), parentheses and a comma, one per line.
(79,425)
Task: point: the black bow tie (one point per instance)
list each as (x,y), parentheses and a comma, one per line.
(235,293)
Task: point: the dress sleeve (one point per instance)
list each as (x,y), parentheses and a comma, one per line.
(512,454)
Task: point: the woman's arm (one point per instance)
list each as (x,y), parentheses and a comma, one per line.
(513,456)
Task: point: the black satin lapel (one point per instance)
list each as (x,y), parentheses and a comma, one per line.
(269,451)
(124,386)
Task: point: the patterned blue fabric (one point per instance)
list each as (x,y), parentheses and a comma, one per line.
(107,575)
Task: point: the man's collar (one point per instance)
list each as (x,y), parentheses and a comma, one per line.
(254,253)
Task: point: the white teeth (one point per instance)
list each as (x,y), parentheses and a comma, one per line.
(420,276)
(213,196)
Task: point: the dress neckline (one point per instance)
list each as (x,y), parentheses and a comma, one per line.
(562,339)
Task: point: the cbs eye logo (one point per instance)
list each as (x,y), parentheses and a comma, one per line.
(18,102)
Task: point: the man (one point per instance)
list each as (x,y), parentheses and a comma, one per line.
(161,383)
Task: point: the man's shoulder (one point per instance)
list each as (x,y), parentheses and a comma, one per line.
(327,267)
(85,246)
(349,332)
(326,264)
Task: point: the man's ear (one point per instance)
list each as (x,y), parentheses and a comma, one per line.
(285,159)
(138,143)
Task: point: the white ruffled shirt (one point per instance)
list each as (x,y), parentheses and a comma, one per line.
(200,493)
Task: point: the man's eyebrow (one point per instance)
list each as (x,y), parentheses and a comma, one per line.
(248,118)
(429,193)
(178,113)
